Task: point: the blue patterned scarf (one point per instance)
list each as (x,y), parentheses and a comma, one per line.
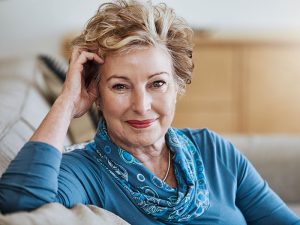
(149,193)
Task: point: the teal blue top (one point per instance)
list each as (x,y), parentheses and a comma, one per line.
(238,195)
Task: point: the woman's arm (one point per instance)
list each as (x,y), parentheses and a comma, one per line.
(74,101)
(259,204)
(31,179)
(50,176)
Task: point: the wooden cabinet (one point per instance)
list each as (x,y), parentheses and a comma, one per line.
(210,100)
(243,87)
(272,97)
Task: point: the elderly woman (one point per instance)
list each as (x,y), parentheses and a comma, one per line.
(133,60)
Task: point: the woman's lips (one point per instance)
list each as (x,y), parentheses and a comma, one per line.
(140,123)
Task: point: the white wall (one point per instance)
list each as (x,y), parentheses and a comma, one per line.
(28,27)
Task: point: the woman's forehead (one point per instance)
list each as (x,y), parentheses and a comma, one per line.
(147,61)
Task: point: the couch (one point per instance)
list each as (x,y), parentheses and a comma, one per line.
(25,88)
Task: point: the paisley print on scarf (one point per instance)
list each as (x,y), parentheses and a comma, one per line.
(148,192)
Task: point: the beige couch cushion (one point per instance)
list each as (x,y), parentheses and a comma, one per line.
(56,214)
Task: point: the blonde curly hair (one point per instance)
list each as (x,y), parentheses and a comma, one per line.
(125,25)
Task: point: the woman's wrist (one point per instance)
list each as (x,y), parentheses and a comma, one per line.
(53,129)
(64,102)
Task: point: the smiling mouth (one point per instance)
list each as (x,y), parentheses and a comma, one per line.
(140,123)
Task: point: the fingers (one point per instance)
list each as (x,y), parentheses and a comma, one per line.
(85,56)
(82,56)
(83,66)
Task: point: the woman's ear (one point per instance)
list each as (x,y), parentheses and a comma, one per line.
(99,108)
(98,103)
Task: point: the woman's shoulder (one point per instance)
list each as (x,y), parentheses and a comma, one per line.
(202,135)
(79,146)
(217,153)
(80,152)
(212,144)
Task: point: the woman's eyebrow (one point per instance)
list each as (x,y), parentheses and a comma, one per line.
(159,73)
(115,76)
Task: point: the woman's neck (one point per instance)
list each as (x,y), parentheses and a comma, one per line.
(154,157)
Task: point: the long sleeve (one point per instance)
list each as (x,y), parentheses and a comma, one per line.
(41,174)
(259,204)
(31,178)
(238,194)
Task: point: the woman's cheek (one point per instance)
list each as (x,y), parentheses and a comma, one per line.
(118,103)
(166,106)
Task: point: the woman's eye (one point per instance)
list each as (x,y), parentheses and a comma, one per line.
(158,83)
(119,87)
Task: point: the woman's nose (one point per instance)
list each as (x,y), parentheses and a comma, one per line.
(141,102)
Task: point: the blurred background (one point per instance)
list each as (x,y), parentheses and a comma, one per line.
(32,26)
(247,73)
(246,82)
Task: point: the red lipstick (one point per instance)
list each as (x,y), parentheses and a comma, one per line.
(140,123)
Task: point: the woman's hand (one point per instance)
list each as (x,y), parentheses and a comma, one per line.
(74,100)
(75,90)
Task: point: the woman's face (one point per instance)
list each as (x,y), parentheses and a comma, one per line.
(138,96)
